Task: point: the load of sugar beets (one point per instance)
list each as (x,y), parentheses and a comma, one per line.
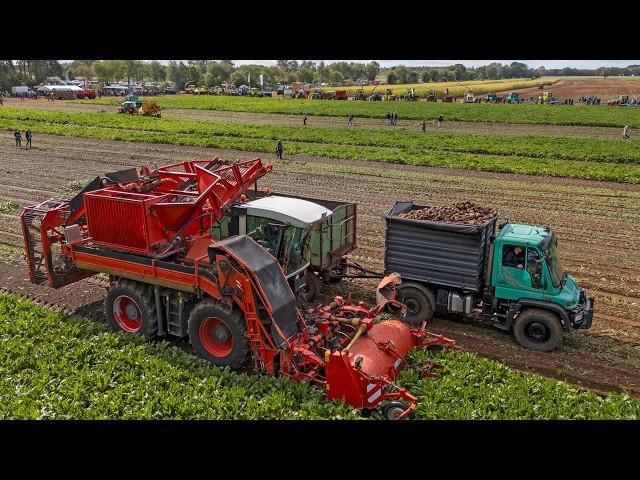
(460,212)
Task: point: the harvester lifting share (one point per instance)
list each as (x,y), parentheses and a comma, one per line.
(151,232)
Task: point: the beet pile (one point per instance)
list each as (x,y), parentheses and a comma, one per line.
(460,212)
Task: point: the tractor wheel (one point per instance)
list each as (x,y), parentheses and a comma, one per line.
(538,329)
(129,307)
(419,308)
(311,291)
(218,334)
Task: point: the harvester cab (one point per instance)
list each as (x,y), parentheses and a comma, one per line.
(282,226)
(151,233)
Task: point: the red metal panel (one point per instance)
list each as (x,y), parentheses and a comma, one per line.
(117,222)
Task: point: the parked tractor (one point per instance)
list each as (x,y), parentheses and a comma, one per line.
(359,94)
(410,96)
(513,97)
(470,97)
(433,96)
(491,98)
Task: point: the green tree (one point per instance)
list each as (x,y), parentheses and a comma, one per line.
(372,69)
(217,73)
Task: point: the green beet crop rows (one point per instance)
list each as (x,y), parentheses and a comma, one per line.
(58,367)
(578,158)
(501,113)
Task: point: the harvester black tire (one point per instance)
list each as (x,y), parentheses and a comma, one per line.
(419,308)
(311,291)
(538,329)
(217,334)
(134,295)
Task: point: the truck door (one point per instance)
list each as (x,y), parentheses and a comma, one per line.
(519,274)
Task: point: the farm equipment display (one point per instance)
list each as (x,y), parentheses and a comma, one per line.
(454,263)
(446,98)
(151,232)
(410,96)
(470,97)
(134,106)
(513,97)
(491,98)
(433,96)
(341,95)
(359,94)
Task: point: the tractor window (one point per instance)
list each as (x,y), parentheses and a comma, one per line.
(513,256)
(296,253)
(266,232)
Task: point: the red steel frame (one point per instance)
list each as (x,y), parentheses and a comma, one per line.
(343,349)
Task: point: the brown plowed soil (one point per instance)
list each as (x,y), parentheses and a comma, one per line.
(483,128)
(603,88)
(597,225)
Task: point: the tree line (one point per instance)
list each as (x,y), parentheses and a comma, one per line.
(212,72)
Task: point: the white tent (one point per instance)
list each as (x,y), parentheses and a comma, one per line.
(58,88)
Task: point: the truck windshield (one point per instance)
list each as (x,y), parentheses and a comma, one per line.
(553,263)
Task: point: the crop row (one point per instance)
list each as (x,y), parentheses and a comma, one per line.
(454,151)
(561,148)
(500,113)
(455,88)
(55,366)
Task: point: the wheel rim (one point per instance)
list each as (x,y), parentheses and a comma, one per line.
(413,306)
(127,314)
(537,332)
(216,337)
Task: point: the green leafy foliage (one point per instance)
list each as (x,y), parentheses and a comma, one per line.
(57,367)
(580,158)
(9,207)
(602,116)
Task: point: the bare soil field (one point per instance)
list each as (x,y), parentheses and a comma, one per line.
(603,88)
(484,128)
(596,222)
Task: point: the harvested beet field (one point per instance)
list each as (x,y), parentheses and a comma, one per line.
(596,223)
(600,87)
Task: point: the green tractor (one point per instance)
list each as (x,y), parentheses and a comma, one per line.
(512,97)
(359,94)
(410,96)
(433,96)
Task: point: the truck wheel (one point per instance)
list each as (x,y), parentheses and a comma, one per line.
(130,307)
(218,335)
(419,307)
(538,329)
(310,292)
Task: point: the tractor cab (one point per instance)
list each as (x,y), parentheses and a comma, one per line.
(281,225)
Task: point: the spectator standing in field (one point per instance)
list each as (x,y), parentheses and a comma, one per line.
(28,136)
(625,132)
(424,126)
(279,149)
(350,120)
(304,118)
(1,102)
(18,138)
(388,118)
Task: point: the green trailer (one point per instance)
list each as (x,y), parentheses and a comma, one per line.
(327,237)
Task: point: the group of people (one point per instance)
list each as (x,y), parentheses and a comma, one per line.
(392,118)
(438,122)
(18,137)
(589,100)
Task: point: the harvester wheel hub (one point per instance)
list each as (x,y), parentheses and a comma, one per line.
(127,314)
(216,337)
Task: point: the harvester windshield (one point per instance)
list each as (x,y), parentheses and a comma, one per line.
(282,226)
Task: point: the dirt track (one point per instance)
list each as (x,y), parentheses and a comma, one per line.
(484,128)
(603,88)
(597,224)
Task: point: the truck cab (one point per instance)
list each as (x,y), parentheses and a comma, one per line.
(529,290)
